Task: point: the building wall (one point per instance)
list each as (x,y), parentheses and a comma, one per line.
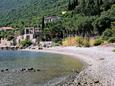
(29,33)
(51,19)
(5,42)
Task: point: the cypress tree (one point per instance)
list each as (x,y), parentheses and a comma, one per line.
(75,2)
(106,5)
(82,6)
(72,5)
(69,5)
(113,1)
(100,2)
(98,6)
(90,8)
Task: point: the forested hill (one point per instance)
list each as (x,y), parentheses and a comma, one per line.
(8,5)
(82,17)
(28,11)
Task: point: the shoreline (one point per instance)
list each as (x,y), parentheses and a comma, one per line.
(100,65)
(54,50)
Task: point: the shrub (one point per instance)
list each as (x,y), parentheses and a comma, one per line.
(26,43)
(57,40)
(114,50)
(111,40)
(101,23)
(10,37)
(107,34)
(98,42)
(79,41)
(92,40)
(86,42)
(69,41)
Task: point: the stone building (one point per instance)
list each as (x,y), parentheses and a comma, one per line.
(51,19)
(29,33)
(5,42)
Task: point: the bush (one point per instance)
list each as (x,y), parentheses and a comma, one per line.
(79,41)
(57,40)
(98,42)
(101,23)
(111,40)
(10,37)
(92,40)
(114,50)
(26,43)
(86,42)
(69,41)
(107,34)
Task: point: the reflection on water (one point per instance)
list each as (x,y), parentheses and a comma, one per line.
(51,66)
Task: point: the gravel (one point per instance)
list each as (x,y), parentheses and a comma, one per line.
(100,69)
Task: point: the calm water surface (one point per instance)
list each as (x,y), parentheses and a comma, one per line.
(52,66)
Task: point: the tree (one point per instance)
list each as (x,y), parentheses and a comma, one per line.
(72,4)
(106,5)
(85,28)
(90,8)
(10,37)
(113,1)
(54,31)
(102,23)
(98,6)
(82,6)
(2,34)
(69,5)
(107,34)
(75,3)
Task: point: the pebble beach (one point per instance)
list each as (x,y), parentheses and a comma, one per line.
(99,70)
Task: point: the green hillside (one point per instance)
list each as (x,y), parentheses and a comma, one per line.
(29,11)
(86,18)
(8,5)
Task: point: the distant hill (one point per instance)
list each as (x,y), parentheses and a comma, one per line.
(82,17)
(8,5)
(12,12)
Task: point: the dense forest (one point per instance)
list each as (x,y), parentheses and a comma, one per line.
(86,18)
(29,11)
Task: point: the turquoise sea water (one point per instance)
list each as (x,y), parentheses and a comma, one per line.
(51,66)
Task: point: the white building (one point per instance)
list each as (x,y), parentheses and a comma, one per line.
(29,33)
(46,44)
(50,19)
(5,42)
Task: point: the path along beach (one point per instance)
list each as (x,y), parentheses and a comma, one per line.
(100,69)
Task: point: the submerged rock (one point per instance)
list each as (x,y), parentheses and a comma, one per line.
(38,70)
(23,69)
(4,70)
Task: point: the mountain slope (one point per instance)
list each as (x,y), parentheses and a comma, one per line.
(29,11)
(7,5)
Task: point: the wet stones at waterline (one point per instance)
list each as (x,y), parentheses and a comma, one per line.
(20,70)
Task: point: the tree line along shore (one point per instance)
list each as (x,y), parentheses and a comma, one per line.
(82,20)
